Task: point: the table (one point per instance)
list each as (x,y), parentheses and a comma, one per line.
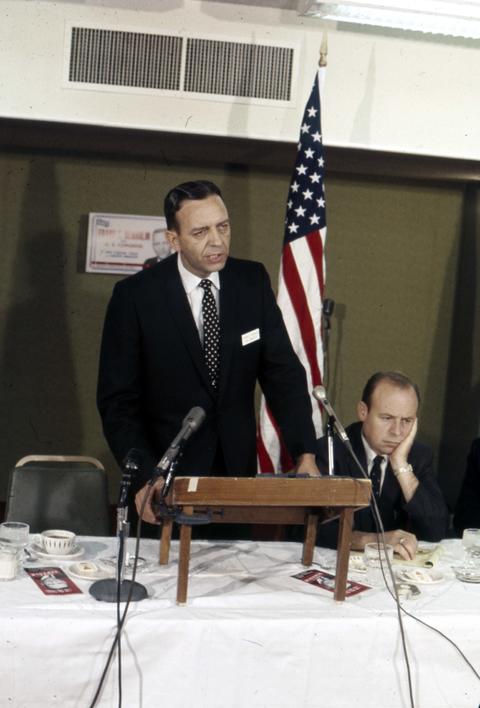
(251,635)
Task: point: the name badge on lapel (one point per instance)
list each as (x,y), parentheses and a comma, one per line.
(250,337)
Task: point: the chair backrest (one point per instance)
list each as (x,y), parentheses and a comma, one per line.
(59,491)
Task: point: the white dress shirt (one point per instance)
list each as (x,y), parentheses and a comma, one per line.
(371,455)
(191,283)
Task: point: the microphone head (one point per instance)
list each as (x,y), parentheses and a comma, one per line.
(195,418)
(319,393)
(328,306)
(134,459)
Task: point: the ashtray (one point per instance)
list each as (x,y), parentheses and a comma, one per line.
(467,575)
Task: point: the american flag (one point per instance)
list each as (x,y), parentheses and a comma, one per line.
(302,274)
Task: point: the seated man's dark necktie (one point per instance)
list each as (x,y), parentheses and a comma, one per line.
(376,475)
(211,332)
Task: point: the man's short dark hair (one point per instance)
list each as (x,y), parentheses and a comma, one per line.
(200,189)
(396,378)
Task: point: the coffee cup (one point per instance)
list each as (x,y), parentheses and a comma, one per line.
(56,541)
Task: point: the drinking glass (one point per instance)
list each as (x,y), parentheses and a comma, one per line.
(471,544)
(375,558)
(8,562)
(15,534)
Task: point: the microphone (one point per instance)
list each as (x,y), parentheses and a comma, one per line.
(328,306)
(321,395)
(192,421)
(134,460)
(131,464)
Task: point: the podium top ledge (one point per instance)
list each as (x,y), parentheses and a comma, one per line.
(271,491)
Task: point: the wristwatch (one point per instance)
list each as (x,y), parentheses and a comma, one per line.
(401,470)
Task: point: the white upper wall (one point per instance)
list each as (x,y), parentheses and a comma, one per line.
(384,90)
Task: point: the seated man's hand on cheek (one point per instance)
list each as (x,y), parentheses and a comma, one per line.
(399,456)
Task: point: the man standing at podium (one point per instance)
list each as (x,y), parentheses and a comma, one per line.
(200,329)
(400,468)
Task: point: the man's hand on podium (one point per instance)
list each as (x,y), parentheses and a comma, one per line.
(306,465)
(151,491)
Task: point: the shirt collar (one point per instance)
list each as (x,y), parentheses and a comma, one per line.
(370,454)
(191,281)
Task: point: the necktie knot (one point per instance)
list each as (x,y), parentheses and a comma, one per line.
(206,284)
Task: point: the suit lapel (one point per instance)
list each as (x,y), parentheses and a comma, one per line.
(228,309)
(355,434)
(179,307)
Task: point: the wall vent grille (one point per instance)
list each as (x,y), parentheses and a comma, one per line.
(153,61)
(238,69)
(132,59)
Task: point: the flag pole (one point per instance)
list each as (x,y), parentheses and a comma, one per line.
(328,304)
(302,270)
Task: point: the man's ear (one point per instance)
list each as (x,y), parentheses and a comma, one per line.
(362,410)
(172,237)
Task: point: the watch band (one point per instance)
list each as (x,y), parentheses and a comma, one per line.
(402,470)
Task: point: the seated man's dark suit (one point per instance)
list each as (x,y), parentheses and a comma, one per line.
(467,509)
(152,370)
(425,515)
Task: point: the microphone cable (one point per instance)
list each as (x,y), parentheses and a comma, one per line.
(121,618)
(438,631)
(382,541)
(394,594)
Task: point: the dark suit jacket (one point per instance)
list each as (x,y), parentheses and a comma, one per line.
(425,515)
(152,370)
(150,262)
(467,509)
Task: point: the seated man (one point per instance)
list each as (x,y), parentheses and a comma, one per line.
(410,502)
(467,509)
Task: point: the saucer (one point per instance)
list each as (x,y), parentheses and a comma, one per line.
(76,552)
(356,564)
(143,566)
(87,570)
(421,576)
(467,576)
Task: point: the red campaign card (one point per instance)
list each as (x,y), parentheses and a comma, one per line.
(52,581)
(326,581)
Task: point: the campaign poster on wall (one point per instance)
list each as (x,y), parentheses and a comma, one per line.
(125,243)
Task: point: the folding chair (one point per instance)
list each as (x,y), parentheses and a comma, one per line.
(59,491)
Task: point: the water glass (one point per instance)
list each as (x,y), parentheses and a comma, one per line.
(8,562)
(471,543)
(15,533)
(375,558)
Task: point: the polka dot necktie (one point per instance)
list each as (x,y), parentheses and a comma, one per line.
(211,332)
(376,475)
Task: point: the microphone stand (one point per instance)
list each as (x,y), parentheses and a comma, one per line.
(167,512)
(329,430)
(327,311)
(117,589)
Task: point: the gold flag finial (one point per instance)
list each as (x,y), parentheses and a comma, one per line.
(323,51)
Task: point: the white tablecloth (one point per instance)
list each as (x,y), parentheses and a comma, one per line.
(250,635)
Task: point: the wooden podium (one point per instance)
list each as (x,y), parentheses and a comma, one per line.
(267,500)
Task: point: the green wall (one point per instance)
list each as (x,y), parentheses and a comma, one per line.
(395,248)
